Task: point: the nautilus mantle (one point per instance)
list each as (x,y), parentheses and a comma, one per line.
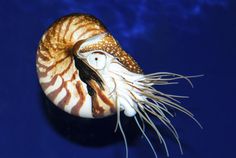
(84,71)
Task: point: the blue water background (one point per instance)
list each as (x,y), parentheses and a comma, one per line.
(188,37)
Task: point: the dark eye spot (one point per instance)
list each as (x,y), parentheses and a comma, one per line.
(96,58)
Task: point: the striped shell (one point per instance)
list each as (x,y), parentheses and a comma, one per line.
(58,74)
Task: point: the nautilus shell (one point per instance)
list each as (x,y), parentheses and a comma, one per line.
(84,71)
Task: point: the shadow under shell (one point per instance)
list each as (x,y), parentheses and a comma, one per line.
(89,132)
(100,132)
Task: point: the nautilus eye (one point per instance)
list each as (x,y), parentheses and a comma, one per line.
(97,60)
(70,57)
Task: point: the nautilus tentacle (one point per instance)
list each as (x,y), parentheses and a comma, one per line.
(84,71)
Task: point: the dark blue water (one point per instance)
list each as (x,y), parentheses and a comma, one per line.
(187,37)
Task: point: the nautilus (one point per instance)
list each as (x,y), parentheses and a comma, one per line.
(84,71)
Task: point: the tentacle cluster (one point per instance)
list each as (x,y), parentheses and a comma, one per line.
(136,95)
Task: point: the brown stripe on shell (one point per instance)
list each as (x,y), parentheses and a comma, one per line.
(87,32)
(42,49)
(80,26)
(49,68)
(55,93)
(52,82)
(67,28)
(48,42)
(75,110)
(97,110)
(102,105)
(42,56)
(41,65)
(65,101)
(67,68)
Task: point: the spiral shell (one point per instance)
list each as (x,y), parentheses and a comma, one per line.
(56,66)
